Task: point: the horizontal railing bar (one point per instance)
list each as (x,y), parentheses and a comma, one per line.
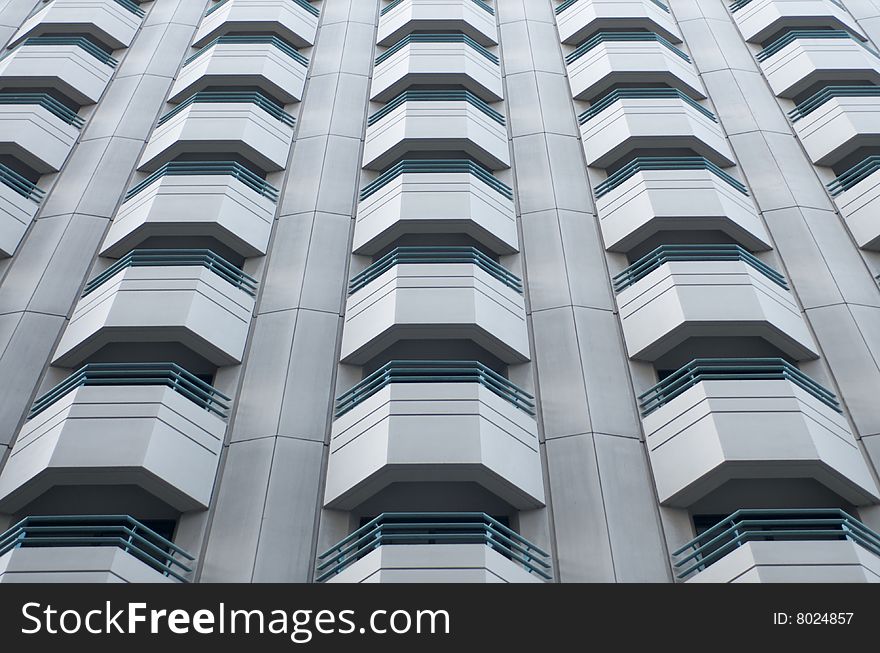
(643,163)
(195,168)
(47,102)
(453,95)
(600,105)
(234,39)
(436,38)
(606,37)
(436,166)
(234,97)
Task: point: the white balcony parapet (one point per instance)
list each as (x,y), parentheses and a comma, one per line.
(19,201)
(472,17)
(578,19)
(37,130)
(758,20)
(295,21)
(114,22)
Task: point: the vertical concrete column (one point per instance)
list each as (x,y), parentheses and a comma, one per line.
(605,516)
(839,296)
(44,278)
(266,511)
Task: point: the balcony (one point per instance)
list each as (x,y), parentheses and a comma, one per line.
(244,122)
(714,420)
(472,17)
(37,130)
(677,292)
(19,200)
(837,121)
(73,65)
(436,196)
(153,425)
(856,194)
(758,20)
(436,121)
(802,58)
(89,549)
(579,19)
(295,21)
(219,199)
(783,546)
(437,293)
(436,59)
(261,61)
(432,547)
(652,194)
(434,421)
(642,118)
(191,297)
(114,22)
(609,58)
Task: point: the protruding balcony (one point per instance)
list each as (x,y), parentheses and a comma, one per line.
(857,194)
(153,425)
(436,120)
(191,297)
(434,421)
(113,22)
(677,292)
(475,18)
(295,21)
(219,199)
(246,122)
(652,194)
(837,121)
(802,58)
(89,549)
(609,58)
(436,196)
(438,547)
(19,200)
(37,130)
(447,59)
(818,545)
(261,60)
(758,20)
(628,119)
(715,420)
(437,293)
(73,65)
(578,19)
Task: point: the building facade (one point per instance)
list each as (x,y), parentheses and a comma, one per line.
(440,290)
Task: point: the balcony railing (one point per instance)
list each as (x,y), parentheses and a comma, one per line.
(402,528)
(641,93)
(271,39)
(46,101)
(302,3)
(643,163)
(739,4)
(176,257)
(419,371)
(436,96)
(394,3)
(793,35)
(133,7)
(804,524)
(234,97)
(605,37)
(192,168)
(568,3)
(665,253)
(436,166)
(24,187)
(80,41)
(854,175)
(119,531)
(436,38)
(443,255)
(731,369)
(816,100)
(171,375)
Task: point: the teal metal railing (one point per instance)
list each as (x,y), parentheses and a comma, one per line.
(420,371)
(271,39)
(20,185)
(441,166)
(171,375)
(302,3)
(80,41)
(402,528)
(793,35)
(638,94)
(568,3)
(665,253)
(133,7)
(854,175)
(119,531)
(730,369)
(739,4)
(426,255)
(436,38)
(816,100)
(642,163)
(394,3)
(178,257)
(46,101)
(234,97)
(453,95)
(230,168)
(605,37)
(755,525)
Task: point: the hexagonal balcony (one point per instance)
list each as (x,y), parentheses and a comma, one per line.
(758,20)
(37,129)
(19,201)
(295,21)
(114,22)
(578,19)
(475,18)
